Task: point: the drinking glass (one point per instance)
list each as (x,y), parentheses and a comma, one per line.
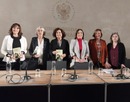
(90,67)
(63,72)
(100,71)
(8,67)
(37,73)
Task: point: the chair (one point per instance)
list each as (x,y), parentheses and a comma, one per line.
(2,64)
(81,66)
(127,63)
(59,65)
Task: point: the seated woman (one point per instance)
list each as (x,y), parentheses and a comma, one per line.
(39,50)
(60,46)
(116,52)
(79,50)
(14,46)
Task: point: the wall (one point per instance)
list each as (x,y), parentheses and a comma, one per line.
(109,15)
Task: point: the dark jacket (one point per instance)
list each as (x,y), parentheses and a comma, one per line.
(121,53)
(64,46)
(46,49)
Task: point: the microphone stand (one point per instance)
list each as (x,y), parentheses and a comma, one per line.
(121,75)
(74,76)
(27,77)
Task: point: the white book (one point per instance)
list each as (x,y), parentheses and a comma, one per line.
(59,52)
(36,50)
(17,50)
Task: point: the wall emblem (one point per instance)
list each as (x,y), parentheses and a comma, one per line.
(63,11)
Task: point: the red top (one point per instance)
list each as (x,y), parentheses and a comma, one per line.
(114,56)
(80,45)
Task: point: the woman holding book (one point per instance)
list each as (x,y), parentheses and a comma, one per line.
(59,46)
(14,46)
(39,50)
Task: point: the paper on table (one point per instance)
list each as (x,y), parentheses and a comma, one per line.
(109,71)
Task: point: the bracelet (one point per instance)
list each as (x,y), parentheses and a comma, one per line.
(23,52)
(8,55)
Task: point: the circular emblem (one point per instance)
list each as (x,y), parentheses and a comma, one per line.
(63,11)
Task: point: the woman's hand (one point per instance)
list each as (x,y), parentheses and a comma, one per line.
(87,56)
(21,55)
(36,56)
(63,56)
(12,57)
(54,52)
(123,66)
(82,60)
(107,65)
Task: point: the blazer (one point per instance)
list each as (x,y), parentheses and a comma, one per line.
(64,46)
(7,46)
(46,48)
(75,51)
(121,53)
(93,51)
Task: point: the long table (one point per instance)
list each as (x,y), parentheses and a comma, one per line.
(55,88)
(33,90)
(88,87)
(117,90)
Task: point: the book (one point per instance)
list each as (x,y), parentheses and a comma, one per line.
(17,50)
(59,52)
(36,51)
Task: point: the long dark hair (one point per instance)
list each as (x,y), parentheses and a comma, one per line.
(77,33)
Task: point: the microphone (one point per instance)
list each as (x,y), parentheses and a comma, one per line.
(121,75)
(74,76)
(25,66)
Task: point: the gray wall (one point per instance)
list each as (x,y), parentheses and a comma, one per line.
(109,15)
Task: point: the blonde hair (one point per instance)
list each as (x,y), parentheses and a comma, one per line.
(40,28)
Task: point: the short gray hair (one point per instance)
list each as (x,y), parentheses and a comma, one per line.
(40,28)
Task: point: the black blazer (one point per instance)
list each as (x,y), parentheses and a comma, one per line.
(64,46)
(46,48)
(121,53)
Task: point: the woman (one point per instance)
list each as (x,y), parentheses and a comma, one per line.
(60,46)
(39,50)
(116,52)
(14,46)
(98,50)
(79,50)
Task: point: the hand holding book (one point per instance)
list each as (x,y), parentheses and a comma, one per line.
(59,54)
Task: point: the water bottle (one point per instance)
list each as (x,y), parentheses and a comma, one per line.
(8,67)
(90,67)
(53,68)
